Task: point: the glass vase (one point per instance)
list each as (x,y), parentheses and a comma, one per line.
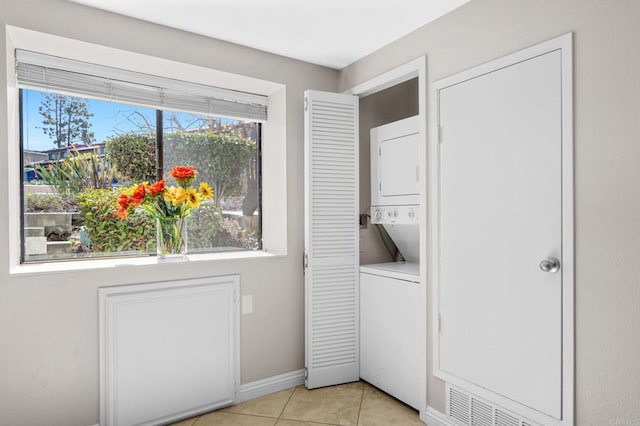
(171,237)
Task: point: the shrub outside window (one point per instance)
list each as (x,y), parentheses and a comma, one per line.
(78,152)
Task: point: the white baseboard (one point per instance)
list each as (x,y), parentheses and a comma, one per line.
(432,417)
(270,385)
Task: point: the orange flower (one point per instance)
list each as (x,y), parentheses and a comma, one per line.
(123,201)
(138,195)
(140,191)
(184,175)
(184,172)
(157,187)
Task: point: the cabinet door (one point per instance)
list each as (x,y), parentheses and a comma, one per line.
(331,239)
(389,336)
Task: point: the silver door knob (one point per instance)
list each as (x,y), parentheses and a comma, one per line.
(550,264)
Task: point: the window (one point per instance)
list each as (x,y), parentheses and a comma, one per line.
(87,131)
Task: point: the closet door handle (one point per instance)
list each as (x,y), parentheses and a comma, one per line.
(550,264)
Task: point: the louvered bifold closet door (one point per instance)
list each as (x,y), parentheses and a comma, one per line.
(331,239)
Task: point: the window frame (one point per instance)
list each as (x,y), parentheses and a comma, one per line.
(273,191)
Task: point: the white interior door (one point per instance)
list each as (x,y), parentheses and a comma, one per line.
(331,239)
(500,216)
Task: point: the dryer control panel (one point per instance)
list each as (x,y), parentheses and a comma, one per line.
(407,215)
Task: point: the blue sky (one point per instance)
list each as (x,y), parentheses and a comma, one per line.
(109,119)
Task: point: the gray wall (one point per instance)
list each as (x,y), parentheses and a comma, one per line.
(607,171)
(386,106)
(49,323)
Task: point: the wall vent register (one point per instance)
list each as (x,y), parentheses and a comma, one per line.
(467,409)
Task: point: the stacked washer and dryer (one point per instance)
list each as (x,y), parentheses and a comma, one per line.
(390,296)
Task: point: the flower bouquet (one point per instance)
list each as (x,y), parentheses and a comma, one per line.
(169,205)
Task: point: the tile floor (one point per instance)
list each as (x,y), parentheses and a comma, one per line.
(352,404)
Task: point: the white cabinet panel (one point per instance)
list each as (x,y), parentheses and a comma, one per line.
(390,316)
(168,350)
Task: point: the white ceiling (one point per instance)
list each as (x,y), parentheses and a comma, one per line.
(334,33)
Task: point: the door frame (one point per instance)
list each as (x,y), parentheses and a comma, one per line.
(564,45)
(412,69)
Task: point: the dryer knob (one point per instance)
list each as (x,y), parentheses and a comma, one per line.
(377,214)
(412,214)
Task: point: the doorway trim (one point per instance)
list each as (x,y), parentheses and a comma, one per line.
(564,45)
(412,69)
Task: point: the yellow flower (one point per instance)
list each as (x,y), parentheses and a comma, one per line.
(174,195)
(169,194)
(181,195)
(205,190)
(193,198)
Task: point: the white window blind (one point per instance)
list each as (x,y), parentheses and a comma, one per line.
(51,73)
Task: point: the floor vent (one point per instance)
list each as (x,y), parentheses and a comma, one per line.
(469,410)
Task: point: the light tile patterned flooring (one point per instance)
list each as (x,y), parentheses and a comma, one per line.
(352,404)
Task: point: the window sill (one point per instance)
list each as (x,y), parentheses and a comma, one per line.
(101,264)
